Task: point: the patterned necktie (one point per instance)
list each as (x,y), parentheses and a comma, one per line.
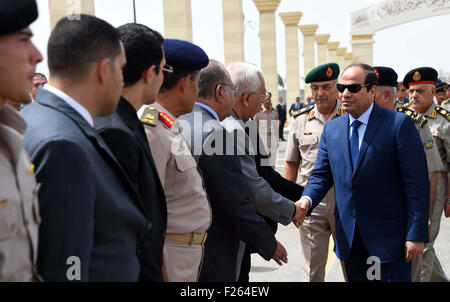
(354,143)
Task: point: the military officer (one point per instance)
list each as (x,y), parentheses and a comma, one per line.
(301,153)
(384,97)
(421,83)
(19,209)
(441,95)
(188,208)
(267,122)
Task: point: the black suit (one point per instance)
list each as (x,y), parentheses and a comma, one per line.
(281,109)
(279,184)
(125,136)
(234,216)
(293,107)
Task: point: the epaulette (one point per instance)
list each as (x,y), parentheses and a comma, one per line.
(406,104)
(149,116)
(166,119)
(341,111)
(412,114)
(301,111)
(443,112)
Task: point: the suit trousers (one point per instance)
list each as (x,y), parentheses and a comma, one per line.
(431,267)
(358,270)
(281,129)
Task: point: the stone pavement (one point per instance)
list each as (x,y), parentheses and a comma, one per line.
(270,271)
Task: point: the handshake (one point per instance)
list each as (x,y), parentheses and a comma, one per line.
(301,208)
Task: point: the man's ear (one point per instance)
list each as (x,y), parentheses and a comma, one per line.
(103,69)
(218,93)
(149,74)
(246,99)
(433,90)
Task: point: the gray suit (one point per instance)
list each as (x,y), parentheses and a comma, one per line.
(88,206)
(234,216)
(266,201)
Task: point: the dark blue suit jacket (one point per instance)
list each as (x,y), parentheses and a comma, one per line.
(89,208)
(388,193)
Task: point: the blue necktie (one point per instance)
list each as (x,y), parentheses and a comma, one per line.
(354,143)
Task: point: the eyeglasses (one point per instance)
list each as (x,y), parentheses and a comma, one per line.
(267,95)
(353,88)
(166,68)
(233,88)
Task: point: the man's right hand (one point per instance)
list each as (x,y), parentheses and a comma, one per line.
(301,208)
(280,254)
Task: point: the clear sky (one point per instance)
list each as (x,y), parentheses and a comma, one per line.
(421,43)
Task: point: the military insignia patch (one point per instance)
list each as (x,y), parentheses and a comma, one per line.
(329,72)
(417,76)
(377,72)
(30,170)
(311,114)
(341,111)
(433,113)
(443,112)
(167,120)
(429,143)
(149,116)
(434,131)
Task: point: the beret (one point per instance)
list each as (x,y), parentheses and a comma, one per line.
(16,15)
(421,75)
(441,87)
(322,73)
(184,55)
(386,76)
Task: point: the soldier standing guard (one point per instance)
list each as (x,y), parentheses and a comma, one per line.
(188,208)
(301,153)
(421,83)
(19,208)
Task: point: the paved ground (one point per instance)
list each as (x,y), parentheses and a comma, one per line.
(263,271)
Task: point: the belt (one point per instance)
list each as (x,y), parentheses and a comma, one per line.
(442,174)
(191,238)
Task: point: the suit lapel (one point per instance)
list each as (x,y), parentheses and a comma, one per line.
(374,121)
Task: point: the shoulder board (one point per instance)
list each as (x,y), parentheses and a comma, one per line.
(412,114)
(406,104)
(149,116)
(166,119)
(423,123)
(341,111)
(301,111)
(443,112)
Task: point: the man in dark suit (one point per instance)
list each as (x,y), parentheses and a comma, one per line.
(281,109)
(93,222)
(295,106)
(234,216)
(376,161)
(125,136)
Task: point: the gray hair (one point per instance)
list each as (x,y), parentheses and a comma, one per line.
(392,89)
(245,76)
(211,76)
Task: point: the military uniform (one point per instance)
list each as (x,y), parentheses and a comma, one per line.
(19,208)
(446,104)
(188,208)
(267,122)
(438,120)
(302,146)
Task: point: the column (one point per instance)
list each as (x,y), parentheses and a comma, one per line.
(355,59)
(177,19)
(308,32)
(332,55)
(348,58)
(267,36)
(362,46)
(340,57)
(60,9)
(233,30)
(321,41)
(292,62)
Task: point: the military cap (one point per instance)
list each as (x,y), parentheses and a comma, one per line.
(421,75)
(16,15)
(322,73)
(441,86)
(184,55)
(386,76)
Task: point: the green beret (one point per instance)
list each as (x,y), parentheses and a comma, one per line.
(322,73)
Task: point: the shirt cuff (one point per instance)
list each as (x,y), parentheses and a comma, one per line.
(310,201)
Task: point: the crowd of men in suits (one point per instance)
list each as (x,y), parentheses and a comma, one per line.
(139,160)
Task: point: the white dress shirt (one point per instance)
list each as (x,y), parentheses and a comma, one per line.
(71,102)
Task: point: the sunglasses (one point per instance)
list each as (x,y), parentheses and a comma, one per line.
(166,68)
(353,88)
